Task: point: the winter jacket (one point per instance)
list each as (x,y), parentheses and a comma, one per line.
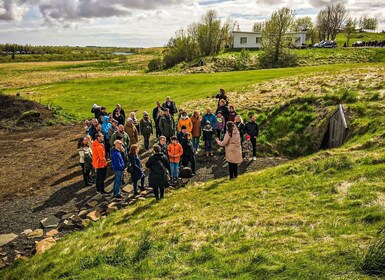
(157,176)
(241,129)
(211,118)
(225,112)
(120,136)
(138,169)
(117,160)
(105,127)
(155,112)
(207,133)
(233,147)
(122,113)
(232,115)
(220,123)
(166,125)
(146,126)
(120,119)
(92,132)
(171,106)
(180,136)
(197,126)
(111,131)
(221,96)
(188,149)
(175,151)
(98,155)
(132,132)
(251,128)
(186,121)
(96,111)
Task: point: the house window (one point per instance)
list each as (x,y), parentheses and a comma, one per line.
(257,40)
(243,40)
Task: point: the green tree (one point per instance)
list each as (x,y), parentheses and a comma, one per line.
(208,33)
(276,39)
(257,27)
(306,24)
(350,28)
(368,23)
(330,20)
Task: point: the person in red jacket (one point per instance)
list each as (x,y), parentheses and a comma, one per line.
(99,162)
(175,151)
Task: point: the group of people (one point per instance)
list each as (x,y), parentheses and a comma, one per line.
(113,137)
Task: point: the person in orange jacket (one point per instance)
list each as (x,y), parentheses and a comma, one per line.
(185,121)
(99,162)
(175,151)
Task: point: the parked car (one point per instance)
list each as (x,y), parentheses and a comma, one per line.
(358,44)
(329,44)
(319,45)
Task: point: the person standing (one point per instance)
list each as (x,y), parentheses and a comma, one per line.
(131,130)
(156,116)
(208,138)
(196,121)
(220,128)
(146,130)
(137,173)
(121,112)
(247,147)
(105,128)
(223,108)
(135,121)
(188,153)
(118,166)
(170,105)
(251,128)
(166,125)
(119,117)
(95,110)
(85,154)
(158,166)
(163,145)
(175,151)
(120,134)
(209,117)
(233,149)
(232,113)
(222,95)
(240,125)
(99,162)
(185,121)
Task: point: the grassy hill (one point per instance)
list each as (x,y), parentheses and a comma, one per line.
(312,218)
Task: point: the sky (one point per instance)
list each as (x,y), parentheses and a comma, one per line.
(143,23)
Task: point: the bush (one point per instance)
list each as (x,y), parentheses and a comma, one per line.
(373,261)
(155,64)
(285,59)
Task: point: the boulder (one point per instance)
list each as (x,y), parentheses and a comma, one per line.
(112,208)
(35,234)
(21,257)
(83,213)
(127,188)
(94,216)
(52,233)
(44,245)
(92,203)
(6,238)
(102,207)
(2,264)
(141,198)
(25,232)
(50,222)
(131,201)
(66,225)
(86,223)
(67,216)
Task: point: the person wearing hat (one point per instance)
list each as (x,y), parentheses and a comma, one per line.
(182,133)
(121,111)
(146,130)
(208,138)
(95,110)
(118,165)
(247,147)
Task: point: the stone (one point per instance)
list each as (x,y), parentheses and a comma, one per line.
(2,264)
(44,245)
(92,203)
(112,209)
(50,222)
(127,188)
(144,192)
(141,198)
(35,234)
(52,233)
(102,207)
(67,216)
(66,225)
(83,213)
(25,232)
(131,201)
(94,216)
(86,223)
(21,257)
(6,238)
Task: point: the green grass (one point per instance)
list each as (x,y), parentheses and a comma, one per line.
(139,92)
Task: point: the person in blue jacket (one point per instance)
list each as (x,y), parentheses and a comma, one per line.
(209,116)
(118,166)
(105,127)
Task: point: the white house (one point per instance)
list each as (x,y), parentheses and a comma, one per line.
(252,40)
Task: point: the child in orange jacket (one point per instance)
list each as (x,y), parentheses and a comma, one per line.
(175,151)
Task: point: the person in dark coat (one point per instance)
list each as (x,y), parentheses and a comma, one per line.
(120,109)
(163,145)
(222,95)
(223,109)
(137,173)
(170,105)
(95,110)
(118,166)
(156,115)
(166,125)
(92,131)
(145,127)
(157,177)
(119,117)
(251,128)
(241,126)
(188,152)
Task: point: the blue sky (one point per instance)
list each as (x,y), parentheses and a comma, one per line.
(142,23)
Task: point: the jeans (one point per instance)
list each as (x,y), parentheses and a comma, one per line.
(195,142)
(147,141)
(118,182)
(174,166)
(135,184)
(101,174)
(254,144)
(208,145)
(233,170)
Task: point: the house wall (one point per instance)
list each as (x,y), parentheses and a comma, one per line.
(252,43)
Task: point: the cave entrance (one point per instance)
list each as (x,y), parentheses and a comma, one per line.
(336,133)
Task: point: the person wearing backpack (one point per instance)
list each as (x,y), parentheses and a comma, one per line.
(146,130)
(118,166)
(159,168)
(85,154)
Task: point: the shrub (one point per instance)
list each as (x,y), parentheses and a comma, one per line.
(155,64)
(373,262)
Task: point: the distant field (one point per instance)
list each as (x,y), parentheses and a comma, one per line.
(138,92)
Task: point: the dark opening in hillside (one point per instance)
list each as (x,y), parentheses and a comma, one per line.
(336,133)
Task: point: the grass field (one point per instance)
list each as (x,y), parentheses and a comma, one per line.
(134,92)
